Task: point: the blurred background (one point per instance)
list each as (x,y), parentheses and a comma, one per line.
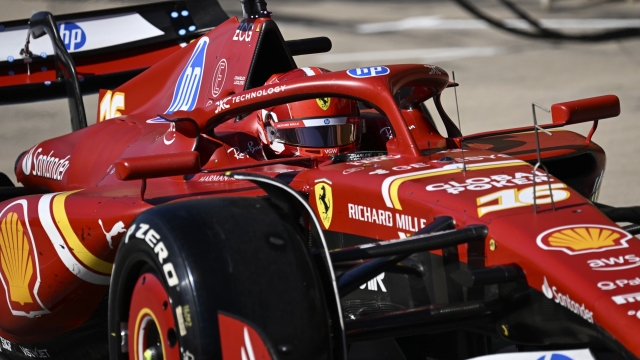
(500,73)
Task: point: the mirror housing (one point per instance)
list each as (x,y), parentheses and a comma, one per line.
(160,165)
(584,110)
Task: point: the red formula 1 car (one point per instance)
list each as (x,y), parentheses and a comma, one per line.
(229,205)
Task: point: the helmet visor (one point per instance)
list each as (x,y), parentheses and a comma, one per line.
(320,133)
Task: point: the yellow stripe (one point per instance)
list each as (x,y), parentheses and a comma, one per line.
(81,252)
(395,185)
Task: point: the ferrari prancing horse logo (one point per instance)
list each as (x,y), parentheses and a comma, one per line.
(324,200)
(324,103)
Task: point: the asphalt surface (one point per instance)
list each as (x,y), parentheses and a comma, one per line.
(500,74)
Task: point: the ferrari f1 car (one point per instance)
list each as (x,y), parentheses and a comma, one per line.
(227,204)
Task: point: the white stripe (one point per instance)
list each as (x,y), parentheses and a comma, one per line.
(321,122)
(437,23)
(327,258)
(386,184)
(44,213)
(421,55)
(308,71)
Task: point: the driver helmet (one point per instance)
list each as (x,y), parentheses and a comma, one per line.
(318,128)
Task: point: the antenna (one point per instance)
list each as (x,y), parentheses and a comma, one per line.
(254,9)
(464,166)
(539,163)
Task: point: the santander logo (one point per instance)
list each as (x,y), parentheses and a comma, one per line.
(42,165)
(565,300)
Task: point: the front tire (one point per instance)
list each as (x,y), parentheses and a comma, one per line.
(231,269)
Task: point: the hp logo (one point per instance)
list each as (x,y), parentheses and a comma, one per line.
(187,88)
(368,71)
(555,357)
(72,36)
(327,121)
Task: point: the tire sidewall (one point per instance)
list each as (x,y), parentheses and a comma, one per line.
(148,247)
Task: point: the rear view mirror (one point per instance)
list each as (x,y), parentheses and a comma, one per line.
(583,110)
(158,165)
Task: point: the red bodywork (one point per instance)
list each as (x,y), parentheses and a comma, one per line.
(71,233)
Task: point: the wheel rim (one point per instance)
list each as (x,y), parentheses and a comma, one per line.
(151,326)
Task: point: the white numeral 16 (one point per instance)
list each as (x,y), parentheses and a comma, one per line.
(513,198)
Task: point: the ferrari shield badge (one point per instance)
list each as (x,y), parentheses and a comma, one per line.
(580,239)
(19,267)
(324,200)
(324,103)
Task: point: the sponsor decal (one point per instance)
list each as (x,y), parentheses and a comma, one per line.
(399,168)
(368,71)
(72,35)
(514,198)
(115,230)
(375,284)
(351,170)
(35,353)
(434,69)
(19,268)
(223,104)
(331,151)
(185,94)
(615,263)
(386,218)
(391,184)
(243,32)
(6,344)
(324,103)
(180,316)
(186,355)
(219,76)
(152,238)
(239,80)
(76,257)
(244,154)
(42,165)
(110,105)
(172,134)
(583,238)
(373,159)
(626,298)
(324,201)
(386,131)
(215,178)
(485,183)
(481,157)
(553,293)
(610,285)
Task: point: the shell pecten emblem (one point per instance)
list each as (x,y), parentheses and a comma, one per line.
(580,239)
(19,268)
(16,259)
(324,201)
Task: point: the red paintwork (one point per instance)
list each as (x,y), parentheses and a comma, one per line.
(150,166)
(405,189)
(240,341)
(578,111)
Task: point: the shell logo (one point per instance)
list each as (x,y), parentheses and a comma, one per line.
(16,259)
(581,239)
(19,271)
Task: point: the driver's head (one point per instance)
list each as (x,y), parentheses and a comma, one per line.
(318,127)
